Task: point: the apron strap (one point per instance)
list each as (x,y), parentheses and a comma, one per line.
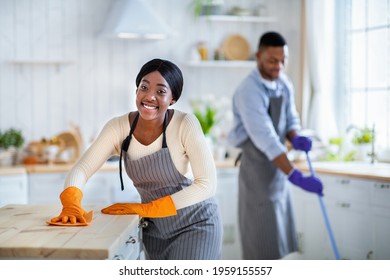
(125,147)
(126,143)
(164,144)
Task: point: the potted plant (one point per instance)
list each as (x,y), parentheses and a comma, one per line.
(206,7)
(10,141)
(363,136)
(207,117)
(205,113)
(362,140)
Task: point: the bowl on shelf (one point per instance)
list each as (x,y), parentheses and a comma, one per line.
(236,47)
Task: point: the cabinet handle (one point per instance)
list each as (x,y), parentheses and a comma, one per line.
(300,236)
(131,240)
(344,181)
(143,224)
(118,257)
(369,255)
(382,186)
(343,204)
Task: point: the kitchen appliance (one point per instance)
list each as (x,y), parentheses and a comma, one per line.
(135,19)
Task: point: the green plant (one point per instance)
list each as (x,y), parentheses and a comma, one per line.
(207,117)
(336,141)
(351,156)
(203,7)
(363,136)
(11,138)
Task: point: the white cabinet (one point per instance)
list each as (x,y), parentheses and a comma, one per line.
(45,188)
(227,198)
(131,247)
(349,209)
(129,193)
(98,189)
(102,188)
(381,220)
(313,241)
(358,212)
(13,189)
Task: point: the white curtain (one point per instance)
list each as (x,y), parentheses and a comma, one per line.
(318,83)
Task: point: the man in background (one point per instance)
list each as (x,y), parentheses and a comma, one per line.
(264,117)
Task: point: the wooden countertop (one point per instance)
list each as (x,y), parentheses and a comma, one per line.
(12,170)
(48,168)
(362,170)
(58,168)
(24,234)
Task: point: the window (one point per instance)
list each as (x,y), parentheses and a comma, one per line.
(363,33)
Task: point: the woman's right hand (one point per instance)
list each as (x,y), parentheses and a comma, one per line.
(71,211)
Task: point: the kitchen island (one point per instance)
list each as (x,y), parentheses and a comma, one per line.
(24,234)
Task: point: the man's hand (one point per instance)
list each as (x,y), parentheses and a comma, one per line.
(301,143)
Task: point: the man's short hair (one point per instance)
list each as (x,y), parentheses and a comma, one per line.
(271,39)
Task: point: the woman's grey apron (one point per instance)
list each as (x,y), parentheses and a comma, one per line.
(265,210)
(195,232)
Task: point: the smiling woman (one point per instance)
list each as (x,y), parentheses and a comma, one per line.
(159,147)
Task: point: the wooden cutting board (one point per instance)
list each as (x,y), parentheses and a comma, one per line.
(24,234)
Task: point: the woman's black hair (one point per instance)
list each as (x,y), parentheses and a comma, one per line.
(171,73)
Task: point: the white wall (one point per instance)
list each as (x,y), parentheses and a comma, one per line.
(98,82)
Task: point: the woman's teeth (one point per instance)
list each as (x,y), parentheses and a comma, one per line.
(149,107)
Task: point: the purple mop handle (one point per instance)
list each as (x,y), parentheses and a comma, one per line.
(324,214)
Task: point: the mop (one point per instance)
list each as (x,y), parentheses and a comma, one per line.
(324,214)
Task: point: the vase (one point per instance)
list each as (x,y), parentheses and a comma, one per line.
(7,156)
(363,151)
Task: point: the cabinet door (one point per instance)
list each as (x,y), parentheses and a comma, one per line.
(129,193)
(13,189)
(98,189)
(227,198)
(348,203)
(312,236)
(131,248)
(298,208)
(352,227)
(381,218)
(45,188)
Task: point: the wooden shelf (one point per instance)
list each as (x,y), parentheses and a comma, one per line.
(222,63)
(229,18)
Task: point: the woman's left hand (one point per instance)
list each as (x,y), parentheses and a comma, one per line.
(122,209)
(162,207)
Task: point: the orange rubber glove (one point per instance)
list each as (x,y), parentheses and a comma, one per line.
(159,208)
(71,207)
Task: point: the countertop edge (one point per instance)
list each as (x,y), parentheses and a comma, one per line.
(369,174)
